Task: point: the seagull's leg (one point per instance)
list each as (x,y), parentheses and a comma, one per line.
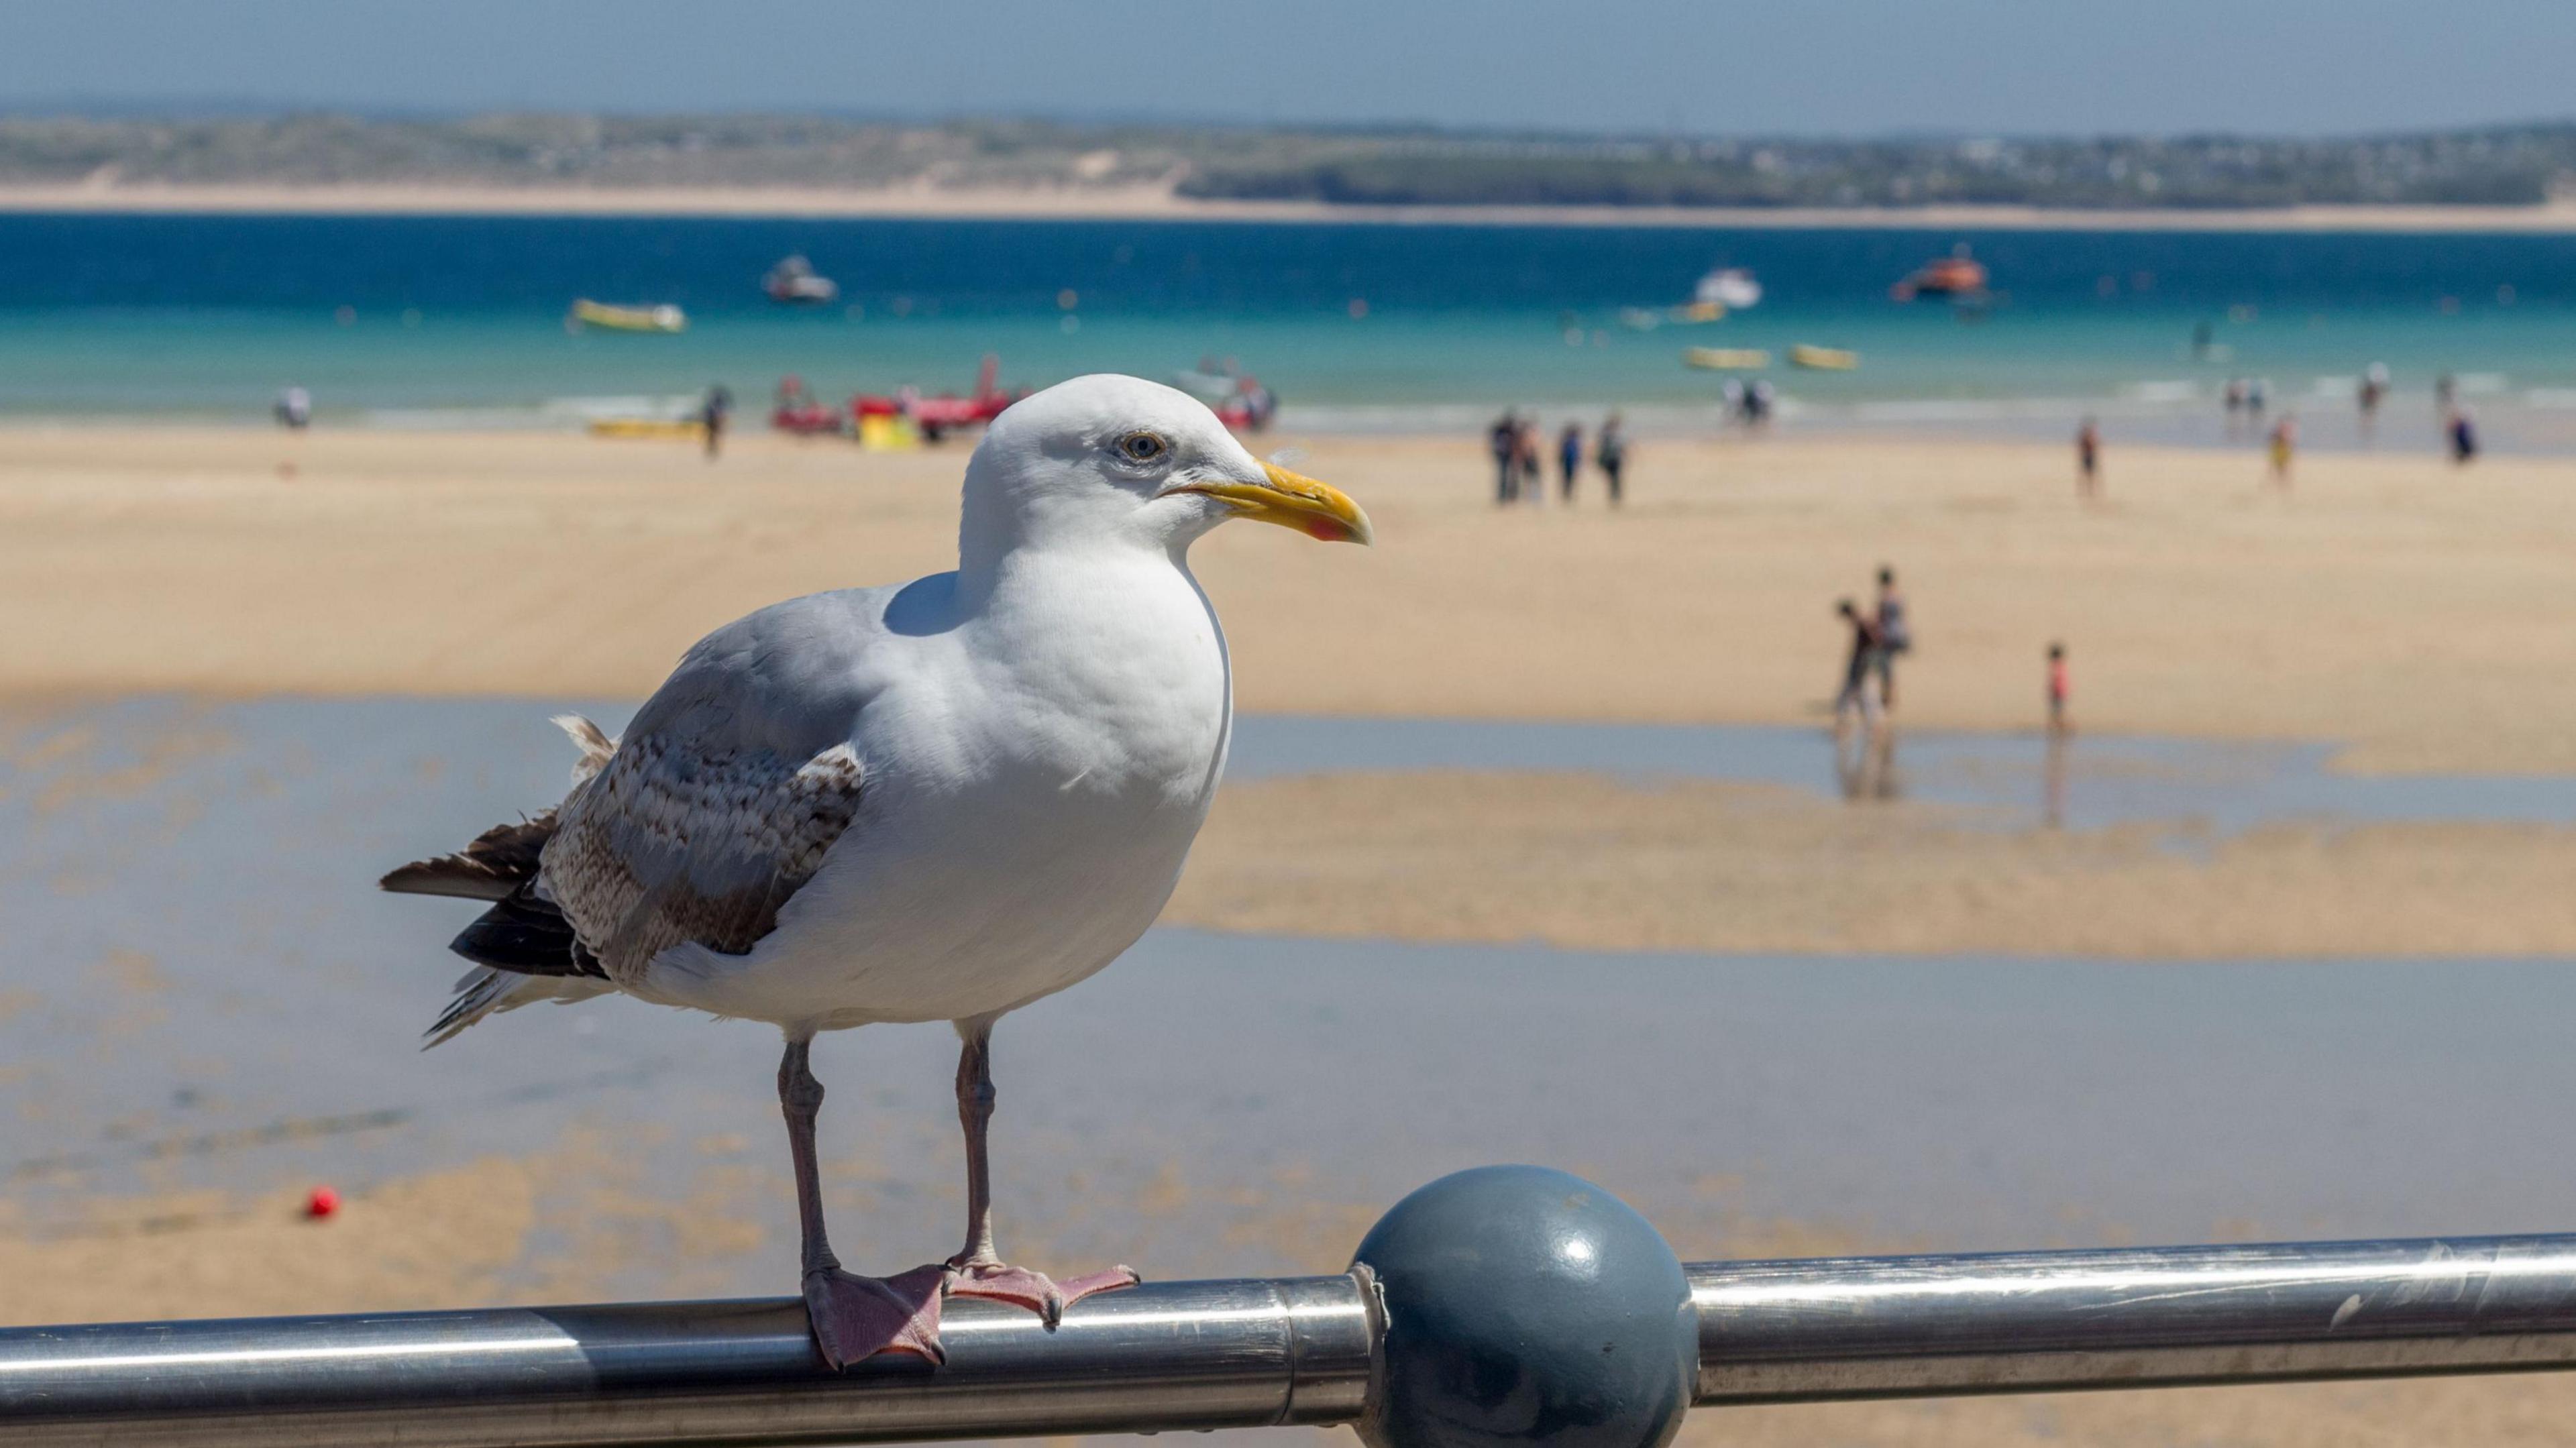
(853,1317)
(979,1271)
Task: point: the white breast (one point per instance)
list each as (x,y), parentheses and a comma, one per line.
(1034,780)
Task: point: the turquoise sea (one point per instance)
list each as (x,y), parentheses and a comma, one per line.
(456,321)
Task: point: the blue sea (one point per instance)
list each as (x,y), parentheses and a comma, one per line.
(457,321)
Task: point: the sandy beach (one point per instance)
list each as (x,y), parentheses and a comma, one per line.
(1160,202)
(2391,604)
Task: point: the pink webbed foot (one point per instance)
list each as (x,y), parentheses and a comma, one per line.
(855,1318)
(1034,1291)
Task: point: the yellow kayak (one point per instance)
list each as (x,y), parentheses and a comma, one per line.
(663,318)
(1726,359)
(648,427)
(1823,359)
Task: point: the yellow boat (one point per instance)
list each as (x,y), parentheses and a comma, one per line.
(666,427)
(1726,359)
(663,318)
(1823,359)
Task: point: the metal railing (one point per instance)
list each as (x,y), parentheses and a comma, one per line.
(1313,1350)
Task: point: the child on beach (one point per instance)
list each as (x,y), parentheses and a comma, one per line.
(2058,689)
(2088,460)
(2285,447)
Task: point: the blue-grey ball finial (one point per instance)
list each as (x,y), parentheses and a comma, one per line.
(1525,1306)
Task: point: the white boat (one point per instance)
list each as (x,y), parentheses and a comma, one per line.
(794,280)
(1731,287)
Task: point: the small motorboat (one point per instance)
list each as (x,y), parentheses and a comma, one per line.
(1726,359)
(1729,287)
(795,282)
(1823,359)
(1957,275)
(613,318)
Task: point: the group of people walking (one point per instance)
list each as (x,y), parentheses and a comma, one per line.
(1517,451)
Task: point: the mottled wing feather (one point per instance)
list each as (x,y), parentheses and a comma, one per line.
(675,842)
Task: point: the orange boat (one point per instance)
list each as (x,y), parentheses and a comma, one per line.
(1955,275)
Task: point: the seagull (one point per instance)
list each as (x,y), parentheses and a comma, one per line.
(937,801)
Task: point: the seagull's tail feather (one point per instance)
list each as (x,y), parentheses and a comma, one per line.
(484,991)
(504,857)
(499,861)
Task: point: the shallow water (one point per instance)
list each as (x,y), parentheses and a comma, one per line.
(200,987)
(456,321)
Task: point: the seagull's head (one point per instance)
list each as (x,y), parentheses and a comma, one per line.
(1119,460)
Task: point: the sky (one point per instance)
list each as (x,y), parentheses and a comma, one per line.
(1781,67)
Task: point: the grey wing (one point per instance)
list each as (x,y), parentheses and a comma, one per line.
(725,793)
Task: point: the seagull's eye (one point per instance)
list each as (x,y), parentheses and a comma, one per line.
(1142,447)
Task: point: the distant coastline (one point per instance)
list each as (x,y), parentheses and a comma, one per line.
(1163,203)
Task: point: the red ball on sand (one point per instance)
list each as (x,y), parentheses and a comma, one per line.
(322,1203)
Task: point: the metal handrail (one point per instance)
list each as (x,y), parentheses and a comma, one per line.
(2024,1322)
(1300,1350)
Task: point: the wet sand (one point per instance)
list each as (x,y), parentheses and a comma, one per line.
(2410,610)
(1597,863)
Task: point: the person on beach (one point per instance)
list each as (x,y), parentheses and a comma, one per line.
(2463,436)
(2285,448)
(1610,453)
(1532,485)
(2059,691)
(1895,636)
(1856,695)
(2374,388)
(1569,459)
(2088,461)
(1504,441)
(712,414)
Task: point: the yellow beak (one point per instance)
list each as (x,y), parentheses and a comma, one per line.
(1293,500)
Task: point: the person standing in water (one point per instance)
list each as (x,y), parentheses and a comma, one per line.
(1895,636)
(2284,449)
(2059,691)
(1569,459)
(2088,461)
(1610,453)
(1855,694)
